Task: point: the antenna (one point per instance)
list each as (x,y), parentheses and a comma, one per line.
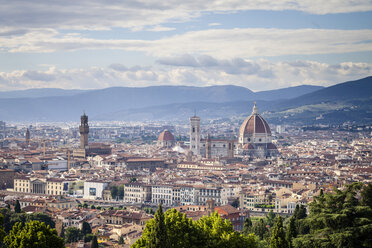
(194,112)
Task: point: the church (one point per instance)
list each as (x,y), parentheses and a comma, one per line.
(255,140)
(255,137)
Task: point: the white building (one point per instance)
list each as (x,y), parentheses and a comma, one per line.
(137,193)
(162,194)
(94,189)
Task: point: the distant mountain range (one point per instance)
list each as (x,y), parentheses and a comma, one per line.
(62,105)
(302,104)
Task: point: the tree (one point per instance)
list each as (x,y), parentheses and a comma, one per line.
(17,207)
(366,194)
(270,218)
(86,229)
(158,236)
(338,219)
(259,228)
(2,229)
(92,206)
(121,240)
(247,227)
(121,191)
(88,237)
(278,239)
(236,203)
(85,205)
(73,234)
(42,218)
(291,231)
(94,243)
(114,191)
(34,235)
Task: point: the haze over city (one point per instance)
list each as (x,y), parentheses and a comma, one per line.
(178,124)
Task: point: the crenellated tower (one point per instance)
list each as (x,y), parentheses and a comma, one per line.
(84,131)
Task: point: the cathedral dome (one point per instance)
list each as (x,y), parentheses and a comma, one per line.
(166,136)
(254,124)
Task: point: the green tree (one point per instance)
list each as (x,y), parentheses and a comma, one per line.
(85,205)
(366,194)
(270,218)
(73,234)
(88,237)
(2,229)
(94,243)
(121,191)
(42,218)
(33,234)
(158,236)
(92,206)
(259,228)
(182,232)
(278,239)
(17,207)
(86,229)
(247,227)
(114,191)
(291,231)
(338,219)
(236,203)
(121,240)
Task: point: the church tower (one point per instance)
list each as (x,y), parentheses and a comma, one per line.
(28,136)
(195,134)
(84,131)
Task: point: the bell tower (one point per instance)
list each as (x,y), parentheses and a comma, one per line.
(195,134)
(84,131)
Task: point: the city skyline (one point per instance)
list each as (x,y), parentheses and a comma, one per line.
(261,46)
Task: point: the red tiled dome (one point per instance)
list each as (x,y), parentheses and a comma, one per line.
(254,124)
(166,136)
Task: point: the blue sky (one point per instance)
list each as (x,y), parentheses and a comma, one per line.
(260,45)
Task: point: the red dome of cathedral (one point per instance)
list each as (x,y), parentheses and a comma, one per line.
(166,136)
(254,124)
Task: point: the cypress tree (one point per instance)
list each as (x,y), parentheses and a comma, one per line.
(94,243)
(17,207)
(291,231)
(158,237)
(278,239)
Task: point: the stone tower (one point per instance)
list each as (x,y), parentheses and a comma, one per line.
(84,131)
(28,136)
(195,134)
(208,147)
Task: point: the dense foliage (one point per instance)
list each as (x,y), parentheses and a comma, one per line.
(173,229)
(341,219)
(33,234)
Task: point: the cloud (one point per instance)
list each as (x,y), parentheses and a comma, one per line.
(214,24)
(159,28)
(233,66)
(219,43)
(39,76)
(136,14)
(255,75)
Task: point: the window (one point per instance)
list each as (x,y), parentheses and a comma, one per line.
(193,129)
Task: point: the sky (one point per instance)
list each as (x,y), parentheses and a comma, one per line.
(258,44)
